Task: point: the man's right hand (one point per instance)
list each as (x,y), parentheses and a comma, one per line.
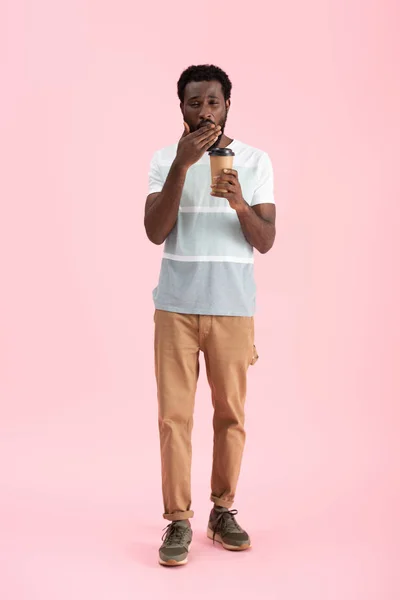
(192,146)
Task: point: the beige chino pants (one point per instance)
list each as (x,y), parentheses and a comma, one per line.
(228,347)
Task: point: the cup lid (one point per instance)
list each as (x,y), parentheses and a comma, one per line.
(221,152)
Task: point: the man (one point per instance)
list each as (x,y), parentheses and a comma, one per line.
(205,299)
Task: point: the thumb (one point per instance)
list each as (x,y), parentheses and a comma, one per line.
(186,131)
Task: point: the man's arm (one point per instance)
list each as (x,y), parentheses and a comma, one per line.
(161,210)
(258,225)
(258,221)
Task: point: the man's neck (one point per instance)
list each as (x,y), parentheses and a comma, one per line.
(225,141)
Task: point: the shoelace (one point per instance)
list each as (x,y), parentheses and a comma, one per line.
(226,523)
(174,533)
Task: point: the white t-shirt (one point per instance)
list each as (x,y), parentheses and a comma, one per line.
(208,265)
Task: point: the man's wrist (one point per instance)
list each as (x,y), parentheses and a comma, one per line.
(179,166)
(242,208)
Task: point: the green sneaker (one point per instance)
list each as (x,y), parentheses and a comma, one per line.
(223,528)
(176,544)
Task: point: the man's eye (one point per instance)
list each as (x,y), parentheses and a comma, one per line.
(194,105)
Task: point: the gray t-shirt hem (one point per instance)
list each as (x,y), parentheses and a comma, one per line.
(199,311)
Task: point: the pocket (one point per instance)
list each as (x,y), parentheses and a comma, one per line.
(255,356)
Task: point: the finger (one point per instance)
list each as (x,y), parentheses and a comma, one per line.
(223,190)
(206,135)
(208,128)
(203,130)
(230,172)
(224,179)
(224,185)
(220,193)
(186,130)
(209,142)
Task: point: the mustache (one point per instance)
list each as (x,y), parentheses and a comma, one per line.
(204,123)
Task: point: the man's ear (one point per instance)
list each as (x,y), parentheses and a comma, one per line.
(227,104)
(181,107)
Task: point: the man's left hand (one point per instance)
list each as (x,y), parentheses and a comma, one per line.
(227,186)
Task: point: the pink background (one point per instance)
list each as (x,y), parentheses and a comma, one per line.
(88,93)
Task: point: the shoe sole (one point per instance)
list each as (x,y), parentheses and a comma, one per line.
(217,538)
(174,563)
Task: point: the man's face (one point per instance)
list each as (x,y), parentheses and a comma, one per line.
(204,103)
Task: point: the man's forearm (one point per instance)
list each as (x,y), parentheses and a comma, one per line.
(258,232)
(161,216)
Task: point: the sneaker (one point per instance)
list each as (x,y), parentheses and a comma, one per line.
(223,528)
(176,544)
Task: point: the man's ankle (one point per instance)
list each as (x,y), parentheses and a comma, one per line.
(186,521)
(220,508)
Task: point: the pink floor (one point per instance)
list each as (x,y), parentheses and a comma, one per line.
(53,549)
(80,518)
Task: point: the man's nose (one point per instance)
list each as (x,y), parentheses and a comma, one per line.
(205,115)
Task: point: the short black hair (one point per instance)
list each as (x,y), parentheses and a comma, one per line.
(204,73)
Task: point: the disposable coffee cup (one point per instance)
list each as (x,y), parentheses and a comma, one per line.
(220,159)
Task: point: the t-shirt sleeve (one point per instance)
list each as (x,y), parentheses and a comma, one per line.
(156,181)
(264,192)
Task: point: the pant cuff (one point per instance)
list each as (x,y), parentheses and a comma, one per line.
(179,516)
(221,502)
